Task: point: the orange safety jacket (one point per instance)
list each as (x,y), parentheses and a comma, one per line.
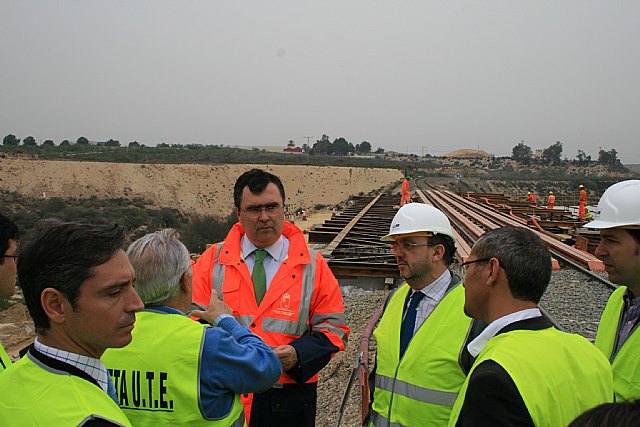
(583,196)
(406,198)
(303,296)
(552,201)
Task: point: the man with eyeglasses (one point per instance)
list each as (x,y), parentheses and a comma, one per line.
(282,291)
(8,261)
(526,371)
(420,355)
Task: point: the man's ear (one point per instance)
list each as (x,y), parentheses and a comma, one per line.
(237,211)
(494,271)
(55,305)
(438,252)
(185,282)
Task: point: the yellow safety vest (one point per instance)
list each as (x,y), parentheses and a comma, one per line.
(626,363)
(157,374)
(420,388)
(5,360)
(558,375)
(34,394)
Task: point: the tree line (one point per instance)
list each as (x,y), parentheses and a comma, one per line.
(339,146)
(552,156)
(30,141)
(522,153)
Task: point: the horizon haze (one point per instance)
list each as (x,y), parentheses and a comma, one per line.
(421,77)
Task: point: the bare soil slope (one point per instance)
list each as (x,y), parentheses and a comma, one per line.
(200,189)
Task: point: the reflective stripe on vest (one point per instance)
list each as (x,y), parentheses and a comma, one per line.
(269,324)
(415,392)
(423,385)
(378,420)
(240,421)
(217,275)
(327,320)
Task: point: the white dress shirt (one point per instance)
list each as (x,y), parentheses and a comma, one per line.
(277,253)
(476,346)
(434,292)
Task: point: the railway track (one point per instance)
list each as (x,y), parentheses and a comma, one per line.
(574,300)
(576,295)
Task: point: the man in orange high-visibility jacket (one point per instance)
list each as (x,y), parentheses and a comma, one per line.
(406,198)
(530,198)
(582,203)
(551,201)
(298,311)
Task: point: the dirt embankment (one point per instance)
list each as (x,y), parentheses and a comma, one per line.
(199,189)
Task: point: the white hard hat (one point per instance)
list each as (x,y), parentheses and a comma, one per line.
(619,206)
(417,217)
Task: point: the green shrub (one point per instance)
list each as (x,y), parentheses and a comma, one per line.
(138,216)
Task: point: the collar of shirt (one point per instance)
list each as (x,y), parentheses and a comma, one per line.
(436,289)
(434,292)
(275,251)
(476,346)
(92,366)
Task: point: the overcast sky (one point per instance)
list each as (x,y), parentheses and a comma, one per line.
(418,76)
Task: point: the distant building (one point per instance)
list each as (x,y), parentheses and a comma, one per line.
(364,156)
(467,153)
(293,150)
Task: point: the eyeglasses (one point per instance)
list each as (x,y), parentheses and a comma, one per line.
(466,264)
(257,210)
(15,257)
(408,245)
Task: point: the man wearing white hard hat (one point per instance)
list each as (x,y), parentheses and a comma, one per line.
(618,218)
(422,334)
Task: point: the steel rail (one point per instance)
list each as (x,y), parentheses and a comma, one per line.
(557,250)
(581,257)
(354,248)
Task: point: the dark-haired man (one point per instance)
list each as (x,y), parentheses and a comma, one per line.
(618,336)
(77,284)
(526,372)
(280,290)
(8,262)
(420,359)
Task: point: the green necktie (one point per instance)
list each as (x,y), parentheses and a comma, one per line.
(259,276)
